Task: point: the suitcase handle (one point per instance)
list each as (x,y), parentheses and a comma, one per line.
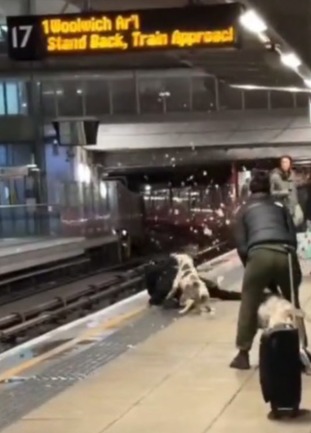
(291,278)
(298,314)
(290,251)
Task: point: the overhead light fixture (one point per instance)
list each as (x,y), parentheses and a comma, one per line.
(246,86)
(293,89)
(264,38)
(290,60)
(275,88)
(307,82)
(252,22)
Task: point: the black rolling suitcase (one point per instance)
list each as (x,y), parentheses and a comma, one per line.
(280,367)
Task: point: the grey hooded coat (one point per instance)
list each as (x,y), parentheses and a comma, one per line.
(284,188)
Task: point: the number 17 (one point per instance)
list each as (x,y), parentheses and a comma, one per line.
(26,31)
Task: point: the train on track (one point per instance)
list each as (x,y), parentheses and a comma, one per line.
(191,208)
(108,208)
(202,205)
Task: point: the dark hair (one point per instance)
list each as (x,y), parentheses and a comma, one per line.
(286,157)
(260,182)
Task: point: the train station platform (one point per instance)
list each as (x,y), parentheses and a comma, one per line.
(17,254)
(147,370)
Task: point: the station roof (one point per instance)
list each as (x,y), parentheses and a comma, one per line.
(256,63)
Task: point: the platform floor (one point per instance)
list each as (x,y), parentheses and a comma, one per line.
(22,245)
(36,251)
(165,374)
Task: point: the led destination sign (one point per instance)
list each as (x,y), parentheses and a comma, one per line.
(36,37)
(122,34)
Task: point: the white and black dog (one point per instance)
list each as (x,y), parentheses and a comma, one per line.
(275,311)
(173,282)
(194,293)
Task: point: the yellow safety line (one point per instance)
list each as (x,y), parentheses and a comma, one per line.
(110,324)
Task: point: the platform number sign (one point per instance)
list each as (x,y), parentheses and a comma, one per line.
(96,33)
(20,36)
(23,40)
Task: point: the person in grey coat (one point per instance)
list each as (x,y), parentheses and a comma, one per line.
(284,188)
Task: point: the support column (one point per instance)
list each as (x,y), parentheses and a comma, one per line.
(87,5)
(35,111)
(217,99)
(38,144)
(234,181)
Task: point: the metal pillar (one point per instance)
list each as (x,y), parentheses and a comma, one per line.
(35,111)
(234,181)
(30,7)
(87,5)
(34,95)
(38,149)
(217,99)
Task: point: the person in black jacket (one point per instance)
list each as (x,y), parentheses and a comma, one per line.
(264,235)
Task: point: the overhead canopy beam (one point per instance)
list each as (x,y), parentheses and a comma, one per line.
(153,160)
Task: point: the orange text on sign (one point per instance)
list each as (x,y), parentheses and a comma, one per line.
(77,26)
(136,40)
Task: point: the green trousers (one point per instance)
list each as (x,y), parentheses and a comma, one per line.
(265,268)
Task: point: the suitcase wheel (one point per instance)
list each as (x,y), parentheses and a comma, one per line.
(294,412)
(275,411)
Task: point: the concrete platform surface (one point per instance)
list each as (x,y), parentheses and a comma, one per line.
(24,253)
(178,380)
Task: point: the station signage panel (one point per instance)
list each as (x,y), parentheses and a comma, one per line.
(39,37)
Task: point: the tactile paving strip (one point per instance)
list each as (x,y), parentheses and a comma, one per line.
(17,401)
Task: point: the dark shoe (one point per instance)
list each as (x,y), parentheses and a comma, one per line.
(241,361)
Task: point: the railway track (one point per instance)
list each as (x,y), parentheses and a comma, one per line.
(88,295)
(44,278)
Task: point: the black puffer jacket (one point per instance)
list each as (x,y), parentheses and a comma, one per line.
(263,221)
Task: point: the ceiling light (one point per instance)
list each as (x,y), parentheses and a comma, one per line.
(252,22)
(275,88)
(290,60)
(293,89)
(307,82)
(246,86)
(264,38)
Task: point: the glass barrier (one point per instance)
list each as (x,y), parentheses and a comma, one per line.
(29,221)
(3,33)
(20,221)
(150,94)
(13,98)
(281,99)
